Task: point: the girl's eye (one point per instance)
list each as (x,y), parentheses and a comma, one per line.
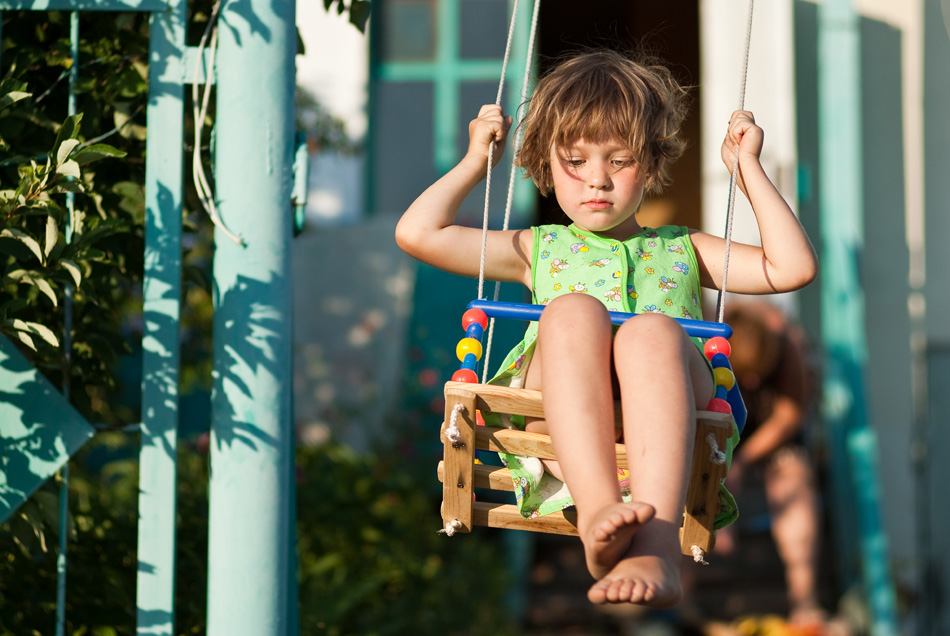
(621,163)
(575,163)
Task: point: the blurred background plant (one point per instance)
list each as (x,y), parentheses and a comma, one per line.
(369,559)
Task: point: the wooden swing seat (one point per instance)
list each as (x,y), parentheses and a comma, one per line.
(460,475)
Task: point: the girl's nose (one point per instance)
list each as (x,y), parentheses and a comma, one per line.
(598,178)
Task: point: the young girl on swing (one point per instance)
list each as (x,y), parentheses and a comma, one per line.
(601,131)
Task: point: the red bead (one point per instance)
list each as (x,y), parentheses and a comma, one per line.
(465,375)
(718,405)
(479,420)
(716,345)
(474,315)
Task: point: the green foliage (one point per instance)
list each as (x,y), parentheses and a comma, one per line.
(370,560)
(359,11)
(63,174)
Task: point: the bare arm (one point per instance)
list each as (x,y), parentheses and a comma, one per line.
(786,260)
(427,230)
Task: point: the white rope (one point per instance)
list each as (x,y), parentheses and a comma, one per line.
(452,433)
(451,527)
(200,107)
(733,182)
(491,149)
(716,456)
(699,555)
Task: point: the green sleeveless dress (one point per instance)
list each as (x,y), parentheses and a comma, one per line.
(654,270)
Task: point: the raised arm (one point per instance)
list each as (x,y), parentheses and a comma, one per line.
(427,230)
(786,259)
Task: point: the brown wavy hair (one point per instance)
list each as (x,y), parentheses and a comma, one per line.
(603,96)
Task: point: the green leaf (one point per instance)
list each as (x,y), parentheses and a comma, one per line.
(73,270)
(65,148)
(88,154)
(52,235)
(68,169)
(37,329)
(26,339)
(30,278)
(12,97)
(27,240)
(69,129)
(359,14)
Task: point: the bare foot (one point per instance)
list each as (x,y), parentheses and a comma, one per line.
(643,579)
(609,535)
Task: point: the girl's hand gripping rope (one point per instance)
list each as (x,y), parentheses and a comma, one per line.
(490,127)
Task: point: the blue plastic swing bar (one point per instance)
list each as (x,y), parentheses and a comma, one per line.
(524,311)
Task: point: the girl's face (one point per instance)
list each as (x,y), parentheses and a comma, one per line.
(599,186)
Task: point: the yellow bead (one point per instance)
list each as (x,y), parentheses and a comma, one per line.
(468,345)
(724,377)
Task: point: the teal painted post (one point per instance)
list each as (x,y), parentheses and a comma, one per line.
(164,169)
(851,438)
(252,422)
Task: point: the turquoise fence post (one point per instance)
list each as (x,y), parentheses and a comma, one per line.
(252,420)
(852,440)
(158,454)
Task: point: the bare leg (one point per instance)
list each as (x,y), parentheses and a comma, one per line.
(663,378)
(572,366)
(790,490)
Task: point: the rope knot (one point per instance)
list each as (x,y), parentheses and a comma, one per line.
(716,456)
(452,433)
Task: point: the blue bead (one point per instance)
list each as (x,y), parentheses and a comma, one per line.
(474,330)
(470,361)
(720,360)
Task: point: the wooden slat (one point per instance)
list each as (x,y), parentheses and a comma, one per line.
(702,495)
(459,459)
(526,444)
(490,477)
(495,515)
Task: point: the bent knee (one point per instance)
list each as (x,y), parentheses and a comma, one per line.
(575,309)
(651,329)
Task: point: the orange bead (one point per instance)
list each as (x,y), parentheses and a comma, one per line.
(474,315)
(716,345)
(465,375)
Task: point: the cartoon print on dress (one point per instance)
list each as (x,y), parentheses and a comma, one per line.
(579,247)
(695,298)
(675,249)
(666,284)
(557,266)
(602,262)
(600,282)
(550,236)
(614,294)
(579,288)
(545,254)
(644,256)
(650,270)
(652,234)
(685,313)
(616,275)
(651,244)
(631,292)
(683,268)
(668,302)
(653,309)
